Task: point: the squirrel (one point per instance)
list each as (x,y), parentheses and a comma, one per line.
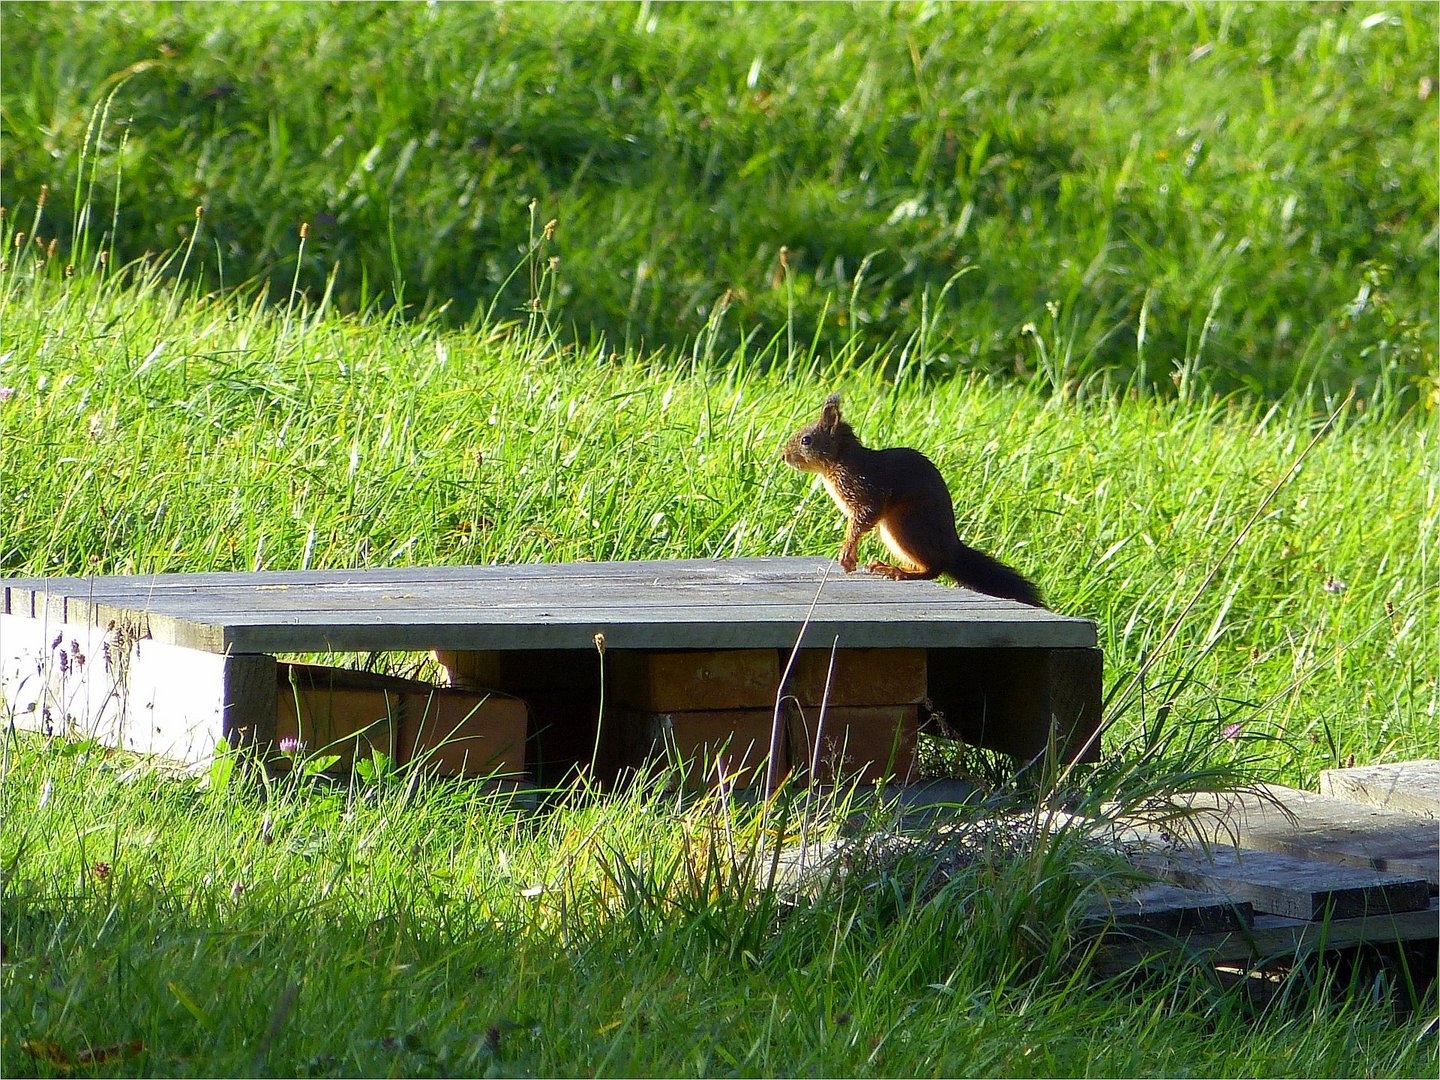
(901,492)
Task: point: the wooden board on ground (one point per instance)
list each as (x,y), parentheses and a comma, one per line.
(669,604)
(1278,884)
(1411,787)
(1277,818)
(1271,938)
(1170,910)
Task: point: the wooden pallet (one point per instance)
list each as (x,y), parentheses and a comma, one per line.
(174,664)
(1271,875)
(1319,889)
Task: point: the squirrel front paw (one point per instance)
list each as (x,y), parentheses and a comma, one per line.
(894,573)
(847,561)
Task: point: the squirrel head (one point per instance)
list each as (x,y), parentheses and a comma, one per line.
(820,444)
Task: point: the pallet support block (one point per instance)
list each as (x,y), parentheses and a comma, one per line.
(460,734)
(1020,701)
(561,687)
(702,743)
(131,692)
(693,680)
(350,713)
(332,711)
(862,743)
(520,671)
(858,676)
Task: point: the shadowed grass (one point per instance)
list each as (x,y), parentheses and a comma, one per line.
(434,929)
(1242,195)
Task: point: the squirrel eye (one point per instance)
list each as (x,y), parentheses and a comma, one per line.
(806,440)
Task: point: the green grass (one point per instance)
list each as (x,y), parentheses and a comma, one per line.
(150,433)
(1223,261)
(146,429)
(1244,194)
(441,932)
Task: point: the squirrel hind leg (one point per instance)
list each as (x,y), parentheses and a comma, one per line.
(921,552)
(900,573)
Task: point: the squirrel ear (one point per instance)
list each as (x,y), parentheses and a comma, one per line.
(830,411)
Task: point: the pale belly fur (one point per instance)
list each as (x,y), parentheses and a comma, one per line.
(834,494)
(899,553)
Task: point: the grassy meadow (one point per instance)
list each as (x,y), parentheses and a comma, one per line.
(1243,191)
(1196,416)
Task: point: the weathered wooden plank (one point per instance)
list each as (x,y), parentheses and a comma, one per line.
(1278,818)
(1411,787)
(1171,910)
(1278,884)
(502,629)
(560,605)
(231,605)
(140,623)
(1274,882)
(498,629)
(658,571)
(142,590)
(662,605)
(803,574)
(18,600)
(1272,938)
(738,571)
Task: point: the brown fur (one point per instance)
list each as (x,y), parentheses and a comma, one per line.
(901,493)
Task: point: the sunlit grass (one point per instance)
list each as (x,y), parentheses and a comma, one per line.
(144,435)
(181,925)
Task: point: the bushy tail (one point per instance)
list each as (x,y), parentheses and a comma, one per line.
(978,571)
